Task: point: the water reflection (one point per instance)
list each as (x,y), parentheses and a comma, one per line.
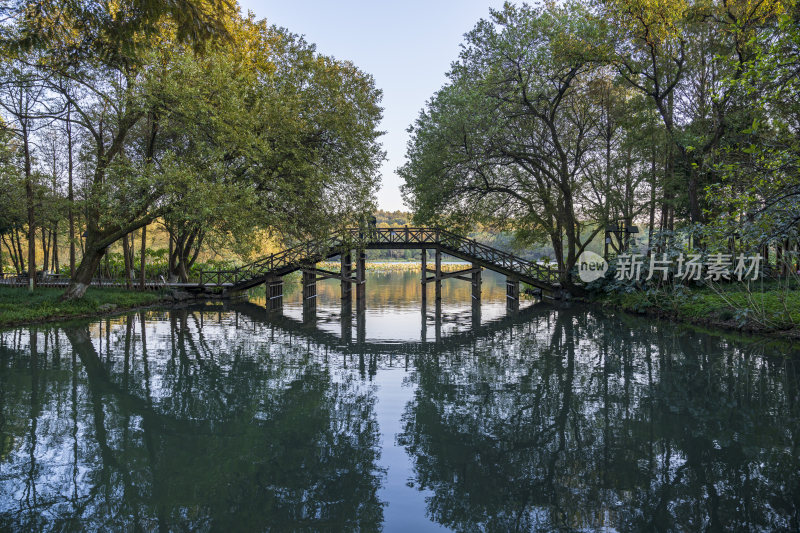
(232,417)
(157,422)
(580,423)
(395,310)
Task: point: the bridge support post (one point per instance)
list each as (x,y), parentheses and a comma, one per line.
(347,320)
(423,336)
(476,284)
(361,324)
(438,321)
(512,293)
(347,272)
(424,259)
(361,278)
(438,275)
(476,314)
(274,288)
(309,295)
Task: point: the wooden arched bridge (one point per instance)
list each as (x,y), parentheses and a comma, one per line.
(353,242)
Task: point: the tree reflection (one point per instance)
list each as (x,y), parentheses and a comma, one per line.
(576,421)
(562,419)
(173,426)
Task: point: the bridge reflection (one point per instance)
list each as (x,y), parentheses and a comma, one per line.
(308,327)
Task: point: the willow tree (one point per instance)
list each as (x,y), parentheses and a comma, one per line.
(507,138)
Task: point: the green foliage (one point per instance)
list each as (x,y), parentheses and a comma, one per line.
(515,140)
(769,309)
(257,136)
(560,118)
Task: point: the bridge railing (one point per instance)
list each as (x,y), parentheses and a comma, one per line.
(316,250)
(498,257)
(307,252)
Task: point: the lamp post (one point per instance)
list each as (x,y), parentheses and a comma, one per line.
(623,232)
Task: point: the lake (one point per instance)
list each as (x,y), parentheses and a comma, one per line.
(225,416)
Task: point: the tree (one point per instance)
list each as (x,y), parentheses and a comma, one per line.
(263,126)
(759,192)
(21,93)
(684,56)
(507,139)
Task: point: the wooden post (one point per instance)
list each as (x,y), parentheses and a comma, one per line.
(275,294)
(361,324)
(512,293)
(476,284)
(347,320)
(438,275)
(424,279)
(476,314)
(438,321)
(309,295)
(361,278)
(424,329)
(347,272)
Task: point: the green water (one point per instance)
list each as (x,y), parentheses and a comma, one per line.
(229,418)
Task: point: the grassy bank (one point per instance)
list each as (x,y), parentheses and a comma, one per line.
(17,306)
(769,310)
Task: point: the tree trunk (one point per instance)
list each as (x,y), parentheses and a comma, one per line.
(29,199)
(183,274)
(132,253)
(11,252)
(97,246)
(84,273)
(653,182)
(70,196)
(171,257)
(56,266)
(127,262)
(569,229)
(45,248)
(20,254)
(142,270)
(187,248)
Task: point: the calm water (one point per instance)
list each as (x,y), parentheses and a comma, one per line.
(231,418)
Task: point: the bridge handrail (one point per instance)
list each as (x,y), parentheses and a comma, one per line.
(317,249)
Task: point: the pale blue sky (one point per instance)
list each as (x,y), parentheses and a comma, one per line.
(407,46)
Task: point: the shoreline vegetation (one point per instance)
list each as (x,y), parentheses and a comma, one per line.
(18,307)
(773,312)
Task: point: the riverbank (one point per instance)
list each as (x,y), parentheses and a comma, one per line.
(17,306)
(773,311)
